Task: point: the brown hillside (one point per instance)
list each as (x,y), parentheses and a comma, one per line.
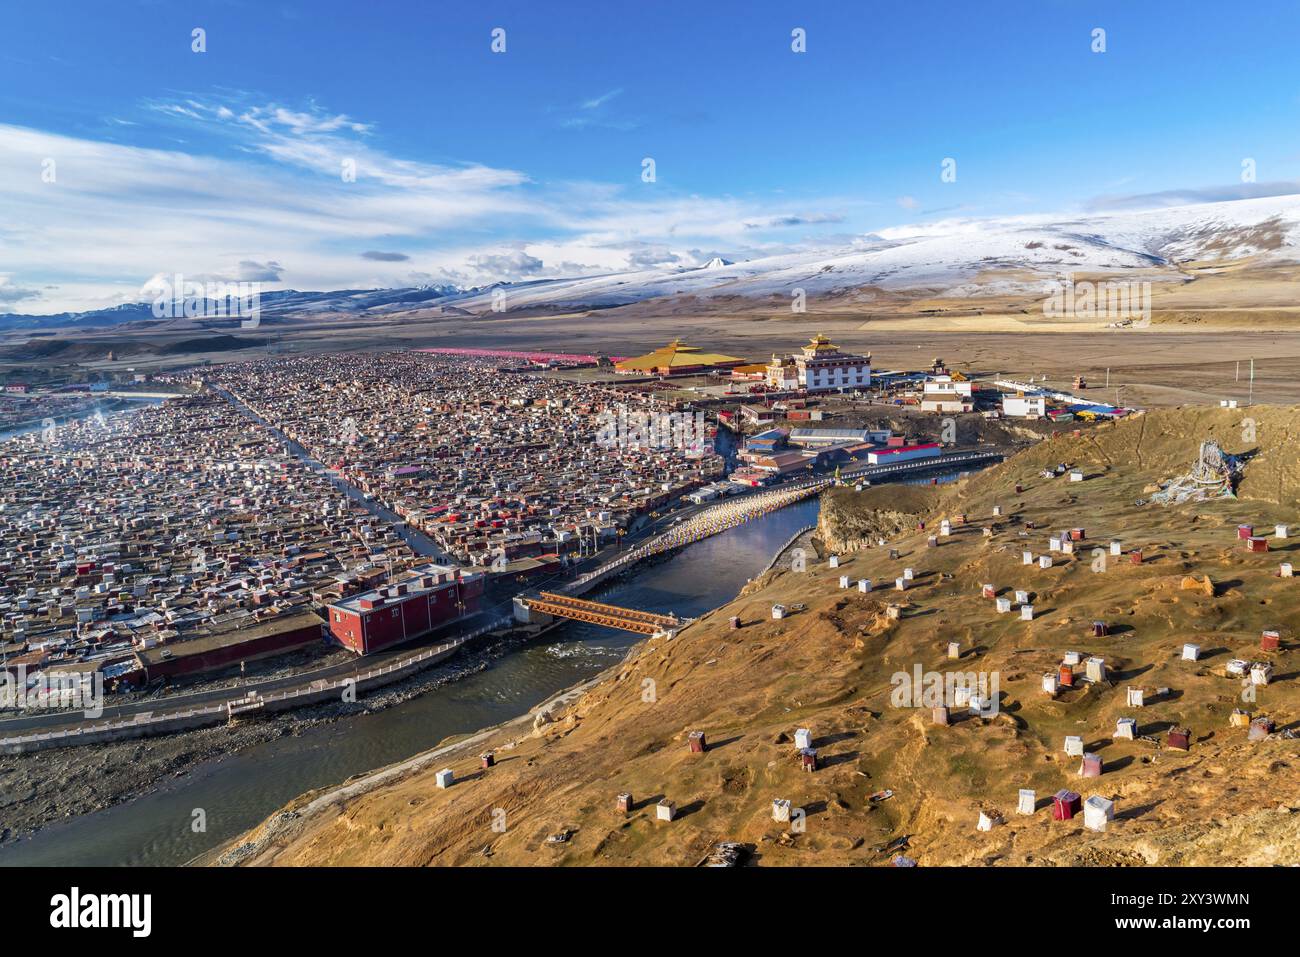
(830,668)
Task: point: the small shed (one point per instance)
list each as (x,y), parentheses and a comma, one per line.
(1066,804)
(1098,812)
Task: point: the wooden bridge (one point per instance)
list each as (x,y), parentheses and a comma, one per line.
(611,616)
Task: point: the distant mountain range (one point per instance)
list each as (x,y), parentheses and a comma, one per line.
(274,303)
(954,257)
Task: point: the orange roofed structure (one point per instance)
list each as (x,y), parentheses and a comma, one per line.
(677,358)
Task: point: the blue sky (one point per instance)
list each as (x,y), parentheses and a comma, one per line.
(474,166)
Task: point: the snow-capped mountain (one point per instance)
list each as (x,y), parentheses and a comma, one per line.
(958,257)
(275,303)
(961,257)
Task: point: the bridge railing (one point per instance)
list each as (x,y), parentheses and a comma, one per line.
(71,736)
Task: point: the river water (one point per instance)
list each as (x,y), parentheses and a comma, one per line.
(237,791)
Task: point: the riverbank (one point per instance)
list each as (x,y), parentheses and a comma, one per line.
(293,819)
(42,788)
(240,788)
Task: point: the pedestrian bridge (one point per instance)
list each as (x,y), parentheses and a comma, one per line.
(611,616)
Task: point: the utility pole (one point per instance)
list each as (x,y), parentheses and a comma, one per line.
(1107,377)
(1251,399)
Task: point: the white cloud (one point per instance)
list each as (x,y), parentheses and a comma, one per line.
(599,101)
(276,208)
(11,295)
(1191,197)
(592,113)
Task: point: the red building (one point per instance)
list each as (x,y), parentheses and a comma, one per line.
(433,596)
(276,636)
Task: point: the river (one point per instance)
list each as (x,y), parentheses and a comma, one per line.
(237,791)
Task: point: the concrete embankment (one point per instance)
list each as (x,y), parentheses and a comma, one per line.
(712,521)
(787,546)
(729,514)
(317,692)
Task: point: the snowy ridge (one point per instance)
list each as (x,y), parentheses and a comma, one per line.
(947,257)
(956,257)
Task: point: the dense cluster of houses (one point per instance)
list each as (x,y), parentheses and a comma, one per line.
(497,467)
(169,540)
(22,405)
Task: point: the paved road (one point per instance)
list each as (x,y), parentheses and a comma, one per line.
(422,544)
(184,702)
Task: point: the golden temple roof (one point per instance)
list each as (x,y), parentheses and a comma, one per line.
(677,354)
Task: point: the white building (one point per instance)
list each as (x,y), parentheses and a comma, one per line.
(1021,406)
(943,393)
(820,367)
(783,374)
(904,453)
